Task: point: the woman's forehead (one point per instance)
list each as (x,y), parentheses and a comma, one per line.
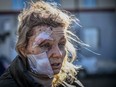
(56,34)
(58,31)
(45,27)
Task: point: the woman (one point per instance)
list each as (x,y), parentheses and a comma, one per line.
(42,49)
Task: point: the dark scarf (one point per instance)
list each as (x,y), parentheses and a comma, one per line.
(21,73)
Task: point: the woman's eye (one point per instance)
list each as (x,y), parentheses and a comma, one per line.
(45,45)
(61,45)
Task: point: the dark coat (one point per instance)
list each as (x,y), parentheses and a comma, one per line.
(17,76)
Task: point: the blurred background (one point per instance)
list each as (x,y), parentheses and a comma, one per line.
(98,21)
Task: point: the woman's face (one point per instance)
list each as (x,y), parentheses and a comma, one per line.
(53,45)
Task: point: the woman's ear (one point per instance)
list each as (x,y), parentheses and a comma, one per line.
(23,51)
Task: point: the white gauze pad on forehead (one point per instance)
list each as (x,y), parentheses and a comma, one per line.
(42,36)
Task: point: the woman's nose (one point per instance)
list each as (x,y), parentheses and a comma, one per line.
(56,52)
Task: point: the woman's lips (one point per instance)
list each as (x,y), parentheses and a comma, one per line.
(56,65)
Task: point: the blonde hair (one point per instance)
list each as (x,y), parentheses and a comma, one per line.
(44,13)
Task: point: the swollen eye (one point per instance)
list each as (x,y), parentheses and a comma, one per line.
(45,45)
(61,45)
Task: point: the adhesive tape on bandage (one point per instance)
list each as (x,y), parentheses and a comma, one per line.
(40,64)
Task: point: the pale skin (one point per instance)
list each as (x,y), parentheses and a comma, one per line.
(55,46)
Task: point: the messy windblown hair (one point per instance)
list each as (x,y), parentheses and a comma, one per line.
(45,13)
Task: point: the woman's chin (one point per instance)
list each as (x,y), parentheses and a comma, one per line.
(56,71)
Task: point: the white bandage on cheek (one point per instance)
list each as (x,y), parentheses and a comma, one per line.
(40,64)
(42,36)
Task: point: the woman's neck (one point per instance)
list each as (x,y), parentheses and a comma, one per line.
(42,79)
